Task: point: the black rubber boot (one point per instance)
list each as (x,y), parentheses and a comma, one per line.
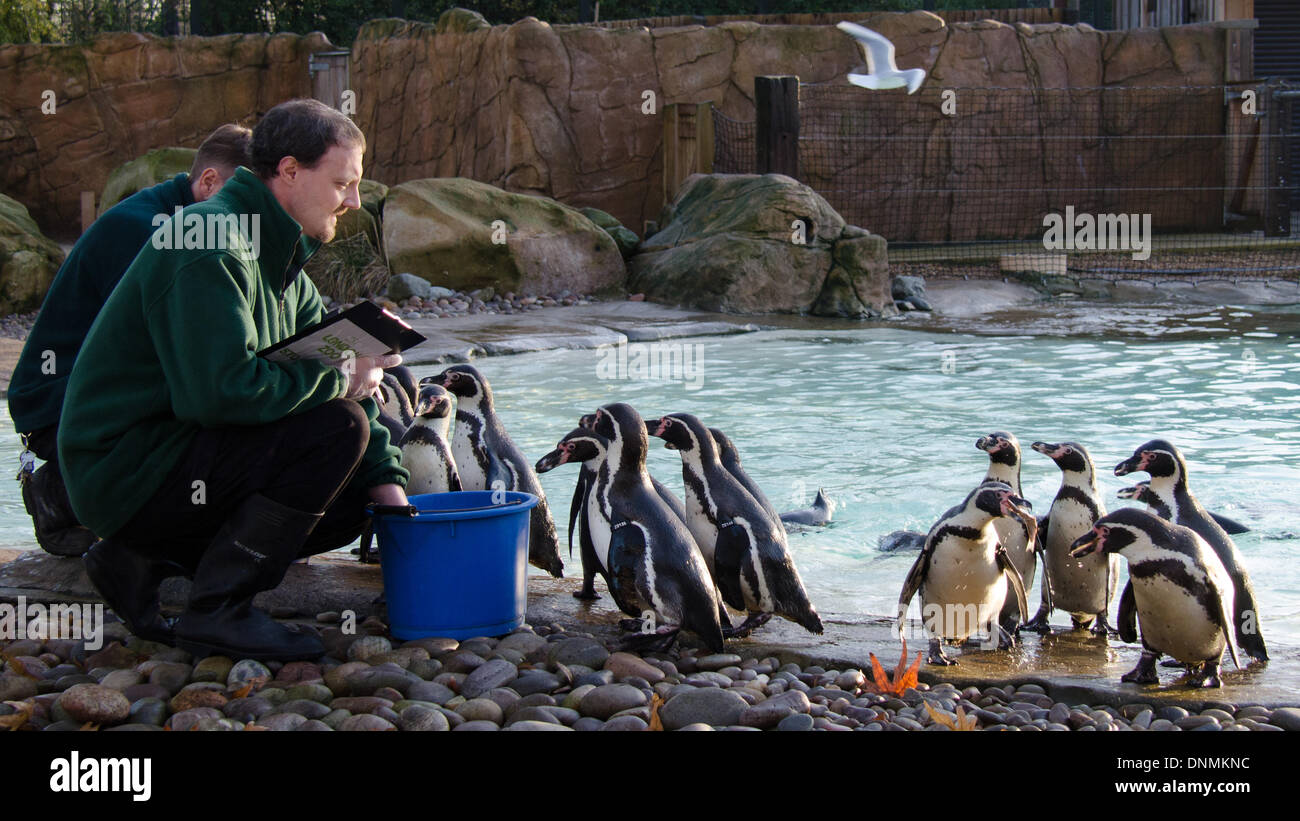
(128,580)
(250,554)
(56,526)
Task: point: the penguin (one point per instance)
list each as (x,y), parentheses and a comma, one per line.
(1182,595)
(487,459)
(1141,492)
(645,553)
(1004,466)
(425,452)
(1084,589)
(577,522)
(963,574)
(743,546)
(1168,471)
(394,402)
(730,458)
(820,514)
(901,540)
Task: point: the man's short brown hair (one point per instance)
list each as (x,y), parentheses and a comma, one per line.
(225,150)
(302,129)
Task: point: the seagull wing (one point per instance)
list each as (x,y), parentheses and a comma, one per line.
(875,46)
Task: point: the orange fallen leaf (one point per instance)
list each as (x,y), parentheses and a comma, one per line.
(253,684)
(88,727)
(656,724)
(903,678)
(252,728)
(962,724)
(16,666)
(18,719)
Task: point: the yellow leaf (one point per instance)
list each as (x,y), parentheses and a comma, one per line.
(16,666)
(656,724)
(88,727)
(964,723)
(249,728)
(938,717)
(18,719)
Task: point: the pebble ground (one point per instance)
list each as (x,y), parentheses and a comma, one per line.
(544,678)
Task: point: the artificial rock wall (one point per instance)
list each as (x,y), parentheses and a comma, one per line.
(123,95)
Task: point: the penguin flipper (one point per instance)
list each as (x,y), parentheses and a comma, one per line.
(1224,619)
(915,578)
(1230,526)
(575,507)
(733,544)
(453,479)
(626,548)
(1127,621)
(1014,578)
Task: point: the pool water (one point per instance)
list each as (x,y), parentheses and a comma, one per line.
(886,418)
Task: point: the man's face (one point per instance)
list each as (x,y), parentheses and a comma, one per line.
(317,197)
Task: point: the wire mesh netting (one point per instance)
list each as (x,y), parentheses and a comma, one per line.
(1113,180)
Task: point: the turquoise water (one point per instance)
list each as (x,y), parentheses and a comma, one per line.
(885,419)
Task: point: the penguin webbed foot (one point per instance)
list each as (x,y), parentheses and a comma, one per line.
(1205,675)
(588,591)
(740,631)
(1173,663)
(1038,623)
(1006,638)
(1101,627)
(660,640)
(936,655)
(1145,671)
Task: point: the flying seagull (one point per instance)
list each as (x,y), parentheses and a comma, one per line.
(880,61)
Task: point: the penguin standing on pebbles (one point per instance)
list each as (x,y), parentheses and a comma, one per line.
(1168,471)
(425,452)
(487,459)
(1083,588)
(1182,596)
(963,575)
(645,553)
(744,547)
(1004,466)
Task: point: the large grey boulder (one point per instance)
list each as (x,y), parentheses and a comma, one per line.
(748,243)
(464,235)
(28,260)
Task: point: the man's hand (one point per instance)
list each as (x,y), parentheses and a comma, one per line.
(389,495)
(365,373)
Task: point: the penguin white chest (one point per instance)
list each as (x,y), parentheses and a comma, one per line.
(600,529)
(1175,622)
(704,531)
(428,467)
(1079,586)
(964,588)
(466,452)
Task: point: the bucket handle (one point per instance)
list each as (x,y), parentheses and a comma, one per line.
(410,510)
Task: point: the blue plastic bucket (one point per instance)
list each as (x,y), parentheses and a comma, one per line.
(459,567)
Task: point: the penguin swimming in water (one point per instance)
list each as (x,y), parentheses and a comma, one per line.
(820,513)
(486,459)
(1083,588)
(1182,596)
(645,553)
(425,452)
(1168,471)
(1141,492)
(745,549)
(1004,466)
(963,575)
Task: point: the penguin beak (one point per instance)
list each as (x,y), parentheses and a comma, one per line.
(1129,465)
(1013,505)
(587,421)
(1044,448)
(1129,492)
(984,443)
(551,460)
(424,405)
(1088,543)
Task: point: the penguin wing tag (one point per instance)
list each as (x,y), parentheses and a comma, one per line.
(733,544)
(1127,621)
(26,464)
(1015,579)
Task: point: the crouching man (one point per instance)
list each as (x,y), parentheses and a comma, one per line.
(190,454)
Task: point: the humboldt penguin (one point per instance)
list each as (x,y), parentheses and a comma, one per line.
(964,575)
(819,514)
(1141,492)
(645,553)
(1004,466)
(1182,596)
(1168,471)
(486,459)
(744,547)
(1084,588)
(425,451)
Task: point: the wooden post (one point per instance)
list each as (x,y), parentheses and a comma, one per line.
(776,135)
(704,138)
(87,209)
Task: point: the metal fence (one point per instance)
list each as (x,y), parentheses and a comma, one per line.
(1116,179)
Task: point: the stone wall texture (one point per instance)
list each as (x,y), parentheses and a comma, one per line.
(528,107)
(123,95)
